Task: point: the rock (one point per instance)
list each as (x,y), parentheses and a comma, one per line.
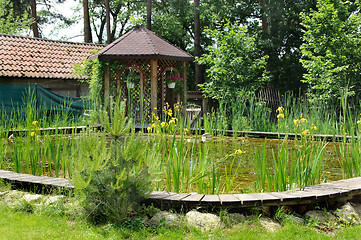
(321,216)
(207,135)
(236,218)
(33,198)
(204,221)
(347,214)
(294,219)
(165,218)
(12,195)
(270,224)
(54,199)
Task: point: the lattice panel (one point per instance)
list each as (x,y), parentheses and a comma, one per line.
(142,89)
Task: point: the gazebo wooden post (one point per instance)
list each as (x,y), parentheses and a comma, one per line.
(153,84)
(185,86)
(106,83)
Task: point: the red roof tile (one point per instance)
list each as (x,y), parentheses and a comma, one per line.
(141,43)
(41,58)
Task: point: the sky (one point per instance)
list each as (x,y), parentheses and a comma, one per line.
(73,33)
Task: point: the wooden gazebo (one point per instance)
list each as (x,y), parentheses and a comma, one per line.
(141,64)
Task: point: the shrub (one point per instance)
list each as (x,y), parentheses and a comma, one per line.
(112,182)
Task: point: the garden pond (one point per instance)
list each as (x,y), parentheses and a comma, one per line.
(244,150)
(234,158)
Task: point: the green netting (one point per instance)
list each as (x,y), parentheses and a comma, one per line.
(14,98)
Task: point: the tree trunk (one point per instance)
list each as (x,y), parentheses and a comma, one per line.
(264,19)
(197,43)
(87,29)
(34,18)
(149,14)
(107,16)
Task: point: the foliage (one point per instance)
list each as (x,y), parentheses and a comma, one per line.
(12,22)
(290,168)
(233,62)
(112,183)
(281,39)
(115,121)
(15,17)
(124,14)
(331,48)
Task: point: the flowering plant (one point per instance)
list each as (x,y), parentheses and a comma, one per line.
(132,76)
(173,79)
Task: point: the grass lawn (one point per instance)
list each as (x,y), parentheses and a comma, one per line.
(47,225)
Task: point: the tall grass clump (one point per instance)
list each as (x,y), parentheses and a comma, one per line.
(289,168)
(292,166)
(112,178)
(4,147)
(190,168)
(250,113)
(349,150)
(349,156)
(184,166)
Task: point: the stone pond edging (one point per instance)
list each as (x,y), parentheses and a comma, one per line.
(337,191)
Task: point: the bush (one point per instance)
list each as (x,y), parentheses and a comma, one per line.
(111,176)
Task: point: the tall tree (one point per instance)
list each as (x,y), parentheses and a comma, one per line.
(233,61)
(281,41)
(331,48)
(13,20)
(87,29)
(197,42)
(149,14)
(34,17)
(123,13)
(107,16)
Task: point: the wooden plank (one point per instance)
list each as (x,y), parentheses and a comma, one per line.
(229,199)
(285,196)
(160,195)
(266,198)
(177,197)
(302,194)
(210,199)
(153,85)
(328,188)
(5,173)
(193,198)
(322,193)
(246,198)
(28,178)
(184,87)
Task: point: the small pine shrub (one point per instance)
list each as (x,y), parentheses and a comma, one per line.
(112,178)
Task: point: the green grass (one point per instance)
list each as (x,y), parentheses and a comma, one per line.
(45,225)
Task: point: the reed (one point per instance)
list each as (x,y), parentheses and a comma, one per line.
(290,167)
(349,156)
(230,171)
(187,167)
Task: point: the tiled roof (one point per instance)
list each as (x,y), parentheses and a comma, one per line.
(141,43)
(40,58)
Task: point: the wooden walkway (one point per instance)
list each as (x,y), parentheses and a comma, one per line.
(138,127)
(254,134)
(332,191)
(36,183)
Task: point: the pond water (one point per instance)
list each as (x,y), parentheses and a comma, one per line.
(219,147)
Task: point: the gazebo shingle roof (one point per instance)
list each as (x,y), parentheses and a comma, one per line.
(40,58)
(141,43)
